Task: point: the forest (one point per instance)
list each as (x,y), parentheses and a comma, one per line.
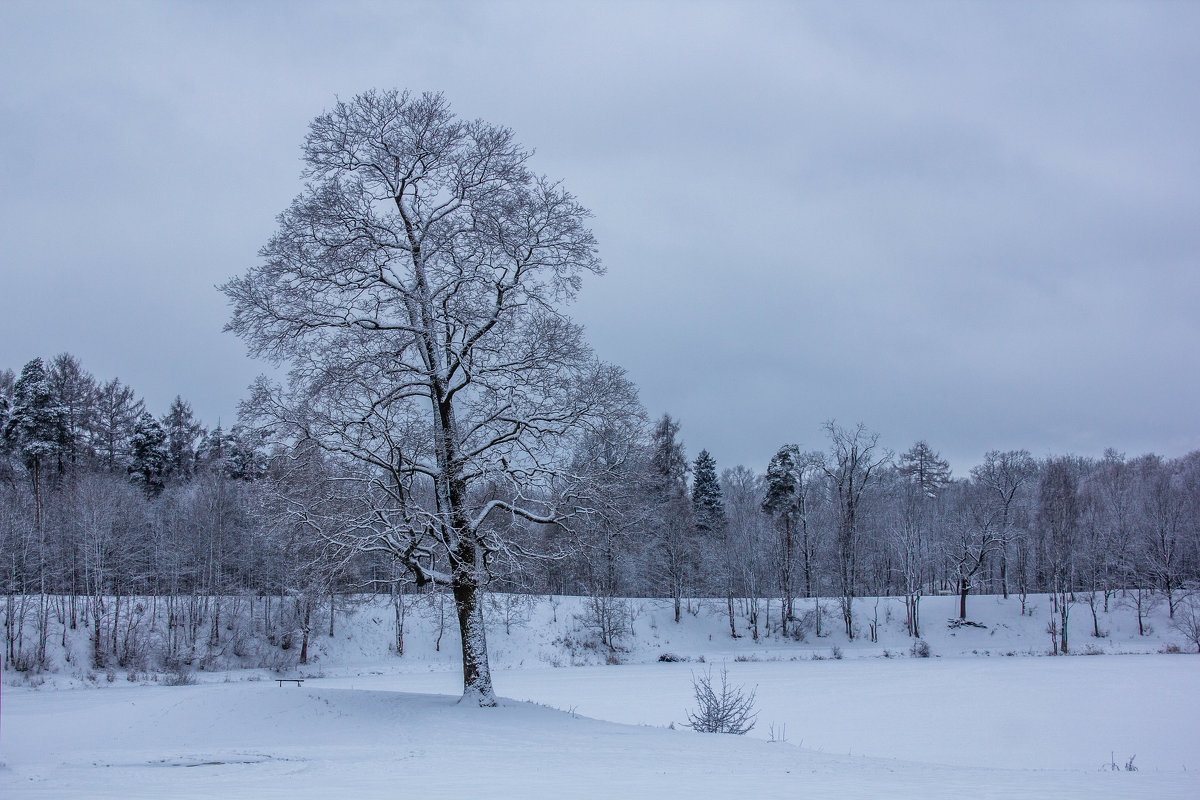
(153,532)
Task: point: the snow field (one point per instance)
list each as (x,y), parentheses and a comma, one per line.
(367,723)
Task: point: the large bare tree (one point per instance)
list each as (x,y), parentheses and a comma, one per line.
(415,288)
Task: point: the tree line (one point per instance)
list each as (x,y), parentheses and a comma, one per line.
(854,520)
(141,529)
(160,536)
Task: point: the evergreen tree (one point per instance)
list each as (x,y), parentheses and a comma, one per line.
(35,421)
(780,504)
(712,528)
(671,518)
(34,428)
(215,452)
(780,500)
(148,447)
(244,456)
(182,432)
(707,508)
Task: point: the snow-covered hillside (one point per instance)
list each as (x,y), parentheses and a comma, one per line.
(555,631)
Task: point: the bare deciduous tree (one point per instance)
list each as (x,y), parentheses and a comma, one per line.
(414,288)
(1058,516)
(1003,474)
(852,470)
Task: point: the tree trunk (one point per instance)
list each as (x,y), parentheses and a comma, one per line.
(964,587)
(304,631)
(398,602)
(477,676)
(1064,611)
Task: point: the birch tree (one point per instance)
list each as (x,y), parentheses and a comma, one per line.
(746,538)
(1058,517)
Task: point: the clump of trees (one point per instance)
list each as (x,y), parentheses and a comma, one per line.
(111,518)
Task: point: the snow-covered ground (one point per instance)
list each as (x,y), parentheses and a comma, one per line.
(367,723)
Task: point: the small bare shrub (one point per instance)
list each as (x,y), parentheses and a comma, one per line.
(1112,764)
(181,675)
(723,708)
(1187,623)
(919,649)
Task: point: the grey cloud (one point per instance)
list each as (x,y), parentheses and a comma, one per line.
(972,223)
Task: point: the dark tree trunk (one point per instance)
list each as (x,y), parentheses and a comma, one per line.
(477,676)
(304,631)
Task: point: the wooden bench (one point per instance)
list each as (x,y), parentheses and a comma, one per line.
(296,681)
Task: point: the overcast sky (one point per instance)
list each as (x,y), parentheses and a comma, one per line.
(972,223)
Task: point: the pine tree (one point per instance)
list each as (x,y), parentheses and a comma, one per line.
(149,454)
(35,421)
(780,504)
(34,428)
(780,498)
